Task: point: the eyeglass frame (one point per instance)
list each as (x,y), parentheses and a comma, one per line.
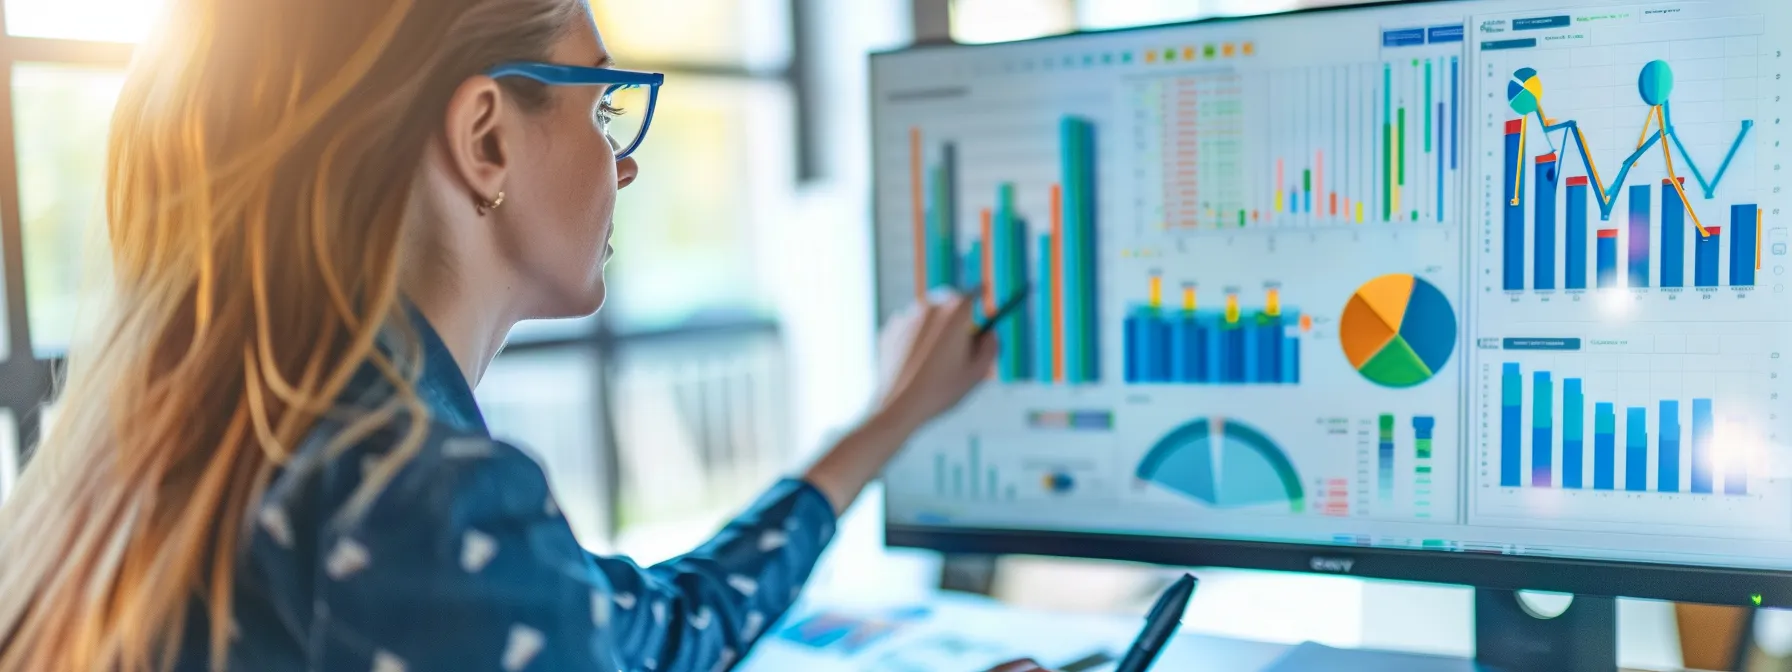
(554,74)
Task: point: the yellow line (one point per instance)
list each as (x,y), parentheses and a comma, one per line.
(1648,121)
(1673,179)
(1592,167)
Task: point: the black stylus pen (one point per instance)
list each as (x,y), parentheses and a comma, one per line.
(1012,304)
(1160,625)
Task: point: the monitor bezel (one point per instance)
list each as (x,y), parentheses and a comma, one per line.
(1736,586)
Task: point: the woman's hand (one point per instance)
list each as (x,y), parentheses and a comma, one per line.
(1019,666)
(942,361)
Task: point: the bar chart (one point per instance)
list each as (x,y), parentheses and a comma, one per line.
(1019,468)
(1188,345)
(1679,211)
(1374,142)
(1665,446)
(994,242)
(1396,467)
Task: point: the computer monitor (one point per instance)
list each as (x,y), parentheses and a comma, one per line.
(1484,292)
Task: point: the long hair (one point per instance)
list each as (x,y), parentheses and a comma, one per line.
(261,161)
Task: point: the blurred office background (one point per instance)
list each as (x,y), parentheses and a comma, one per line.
(738,337)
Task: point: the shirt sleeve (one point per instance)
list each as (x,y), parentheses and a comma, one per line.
(701,611)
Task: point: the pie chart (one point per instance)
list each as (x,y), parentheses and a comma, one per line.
(1224,464)
(1398,330)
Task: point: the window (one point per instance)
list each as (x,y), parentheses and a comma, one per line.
(97,20)
(9,453)
(60,117)
(745,35)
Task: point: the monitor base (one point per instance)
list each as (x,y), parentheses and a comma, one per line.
(1509,637)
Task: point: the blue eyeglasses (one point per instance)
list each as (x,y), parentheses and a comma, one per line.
(626,109)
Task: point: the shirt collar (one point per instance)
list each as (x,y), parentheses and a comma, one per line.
(442,387)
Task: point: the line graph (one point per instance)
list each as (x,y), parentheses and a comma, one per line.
(1655,84)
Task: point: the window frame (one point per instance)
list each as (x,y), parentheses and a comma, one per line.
(28,381)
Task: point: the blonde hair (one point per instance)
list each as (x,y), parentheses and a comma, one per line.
(261,161)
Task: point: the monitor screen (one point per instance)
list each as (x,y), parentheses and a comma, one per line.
(1490,276)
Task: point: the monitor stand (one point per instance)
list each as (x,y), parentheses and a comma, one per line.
(1507,639)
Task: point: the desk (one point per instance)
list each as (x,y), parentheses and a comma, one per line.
(959,633)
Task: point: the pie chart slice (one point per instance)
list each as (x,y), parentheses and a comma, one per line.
(1224,464)
(1398,330)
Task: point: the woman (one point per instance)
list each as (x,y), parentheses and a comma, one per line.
(325,215)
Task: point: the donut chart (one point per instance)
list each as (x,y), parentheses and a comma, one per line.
(1398,331)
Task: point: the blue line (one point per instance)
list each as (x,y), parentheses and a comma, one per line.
(1608,194)
(1667,119)
(1455,110)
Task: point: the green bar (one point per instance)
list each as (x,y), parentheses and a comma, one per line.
(942,257)
(1426,113)
(1208,51)
(1387,143)
(1423,447)
(1424,470)
(1306,180)
(1387,428)
(1241,219)
(1169,54)
(1402,131)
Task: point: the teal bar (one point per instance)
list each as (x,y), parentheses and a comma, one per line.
(1007,366)
(1043,300)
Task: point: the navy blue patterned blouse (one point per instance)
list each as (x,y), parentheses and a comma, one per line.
(464,562)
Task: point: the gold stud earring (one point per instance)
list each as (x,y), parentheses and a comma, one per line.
(486,206)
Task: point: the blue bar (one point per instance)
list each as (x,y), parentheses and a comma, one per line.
(1001,230)
(1546,177)
(1704,430)
(1182,351)
(1455,107)
(1542,430)
(1160,353)
(1608,259)
(1673,237)
(1736,474)
(1202,352)
(1444,34)
(1576,248)
(1252,355)
(1705,255)
(1407,37)
(1667,471)
(1217,366)
(1043,300)
(1440,165)
(973,265)
(1269,337)
(1511,425)
(1543,22)
(1605,446)
(1234,358)
(1291,360)
(1514,210)
(1018,328)
(1134,333)
(1636,449)
(1743,232)
(1503,45)
(1639,236)
(1574,408)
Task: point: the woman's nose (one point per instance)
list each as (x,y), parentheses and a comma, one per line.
(626,170)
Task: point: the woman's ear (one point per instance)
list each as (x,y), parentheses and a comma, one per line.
(476,137)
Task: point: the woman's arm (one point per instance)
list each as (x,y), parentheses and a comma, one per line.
(943,361)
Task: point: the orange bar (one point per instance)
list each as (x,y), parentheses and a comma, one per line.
(1057,288)
(1334,204)
(989,263)
(920,206)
